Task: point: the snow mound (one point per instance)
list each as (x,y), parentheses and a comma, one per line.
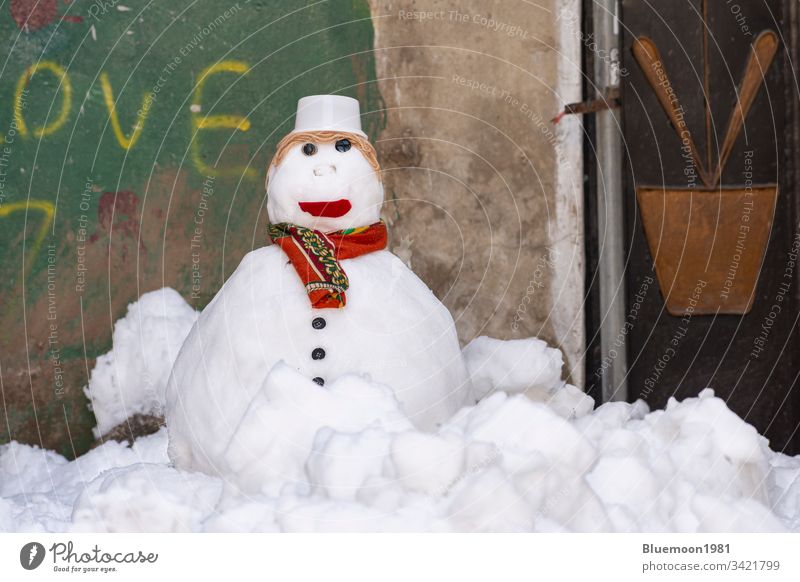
(523,366)
(132,377)
(292,416)
(345,458)
(519,365)
(531,455)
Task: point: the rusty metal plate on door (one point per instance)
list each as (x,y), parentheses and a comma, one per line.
(707,245)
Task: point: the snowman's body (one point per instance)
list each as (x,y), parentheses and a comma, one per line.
(391,329)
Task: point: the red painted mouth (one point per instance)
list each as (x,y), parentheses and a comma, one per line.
(330,209)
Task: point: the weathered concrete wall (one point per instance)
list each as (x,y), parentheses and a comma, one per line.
(486,193)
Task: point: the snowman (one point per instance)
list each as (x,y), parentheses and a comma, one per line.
(327,298)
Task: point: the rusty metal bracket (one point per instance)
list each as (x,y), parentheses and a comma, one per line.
(611,100)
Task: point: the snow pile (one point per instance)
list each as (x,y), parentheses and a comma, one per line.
(132,377)
(532,455)
(785,479)
(38,489)
(344,457)
(522,366)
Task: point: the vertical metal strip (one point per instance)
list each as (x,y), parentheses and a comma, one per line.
(610,214)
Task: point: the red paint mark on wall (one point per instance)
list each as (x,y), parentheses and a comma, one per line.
(117,213)
(33,13)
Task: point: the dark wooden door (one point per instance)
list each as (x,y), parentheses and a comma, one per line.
(751,360)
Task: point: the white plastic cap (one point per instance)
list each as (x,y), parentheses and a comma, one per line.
(328,113)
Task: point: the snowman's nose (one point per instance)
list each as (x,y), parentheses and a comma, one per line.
(324,170)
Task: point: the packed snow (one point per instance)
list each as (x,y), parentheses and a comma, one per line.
(345,457)
(132,377)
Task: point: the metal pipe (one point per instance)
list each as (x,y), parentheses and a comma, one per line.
(610,207)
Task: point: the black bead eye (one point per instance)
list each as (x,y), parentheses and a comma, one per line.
(309,149)
(342,145)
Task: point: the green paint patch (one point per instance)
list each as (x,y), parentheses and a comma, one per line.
(133,148)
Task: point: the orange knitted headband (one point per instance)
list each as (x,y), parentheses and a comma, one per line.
(361,143)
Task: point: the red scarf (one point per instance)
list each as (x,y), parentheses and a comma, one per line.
(315,256)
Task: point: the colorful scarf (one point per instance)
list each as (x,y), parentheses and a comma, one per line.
(315,256)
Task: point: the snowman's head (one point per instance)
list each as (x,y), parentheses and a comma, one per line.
(325,174)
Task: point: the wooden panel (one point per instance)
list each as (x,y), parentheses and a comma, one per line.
(749,360)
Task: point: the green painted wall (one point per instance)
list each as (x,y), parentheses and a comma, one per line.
(134,139)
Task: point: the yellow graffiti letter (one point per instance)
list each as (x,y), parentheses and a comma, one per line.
(141,116)
(203,122)
(47,209)
(20,96)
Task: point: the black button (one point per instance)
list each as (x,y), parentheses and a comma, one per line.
(317,354)
(319,381)
(318,323)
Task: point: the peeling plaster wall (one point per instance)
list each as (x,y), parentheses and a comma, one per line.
(484,193)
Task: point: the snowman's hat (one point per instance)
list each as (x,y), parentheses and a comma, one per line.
(328,113)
